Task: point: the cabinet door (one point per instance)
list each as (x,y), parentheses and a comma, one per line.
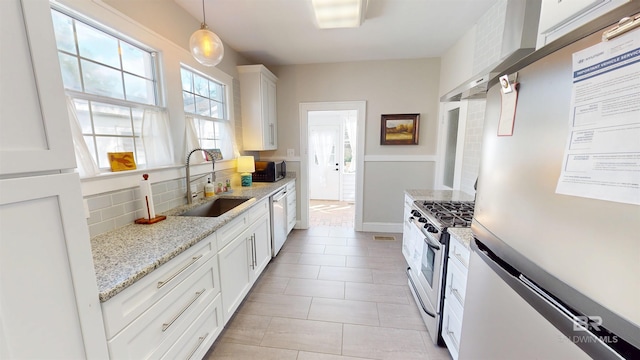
(35,134)
(235,276)
(48,289)
(268,89)
(261,245)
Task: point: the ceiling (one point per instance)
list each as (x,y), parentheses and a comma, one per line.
(283,32)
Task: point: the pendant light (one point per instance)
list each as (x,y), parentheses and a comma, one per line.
(206,47)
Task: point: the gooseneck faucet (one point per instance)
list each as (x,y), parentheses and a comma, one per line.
(213,172)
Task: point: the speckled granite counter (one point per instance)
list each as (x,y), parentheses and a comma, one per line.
(441,195)
(464,235)
(125,255)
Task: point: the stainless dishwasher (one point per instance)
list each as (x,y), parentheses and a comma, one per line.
(278,220)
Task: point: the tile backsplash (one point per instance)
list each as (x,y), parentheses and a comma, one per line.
(111,210)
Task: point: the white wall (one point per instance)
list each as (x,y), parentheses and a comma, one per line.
(457,62)
(388,87)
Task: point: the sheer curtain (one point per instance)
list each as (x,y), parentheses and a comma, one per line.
(156,138)
(86,165)
(350,125)
(192,141)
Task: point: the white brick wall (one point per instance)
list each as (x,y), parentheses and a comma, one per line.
(111,210)
(487,51)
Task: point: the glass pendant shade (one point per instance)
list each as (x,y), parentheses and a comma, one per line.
(206,47)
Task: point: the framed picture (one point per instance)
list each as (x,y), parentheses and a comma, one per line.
(121,161)
(216,153)
(399,129)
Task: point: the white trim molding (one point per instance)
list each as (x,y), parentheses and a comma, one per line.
(401,158)
(304,108)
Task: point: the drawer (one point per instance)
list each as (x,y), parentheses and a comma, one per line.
(199,337)
(137,298)
(291,186)
(451,331)
(459,252)
(455,290)
(157,329)
(257,210)
(291,200)
(231,230)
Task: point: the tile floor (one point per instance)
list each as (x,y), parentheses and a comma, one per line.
(331,213)
(330,294)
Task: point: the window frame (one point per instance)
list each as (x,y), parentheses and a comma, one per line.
(91,97)
(218,138)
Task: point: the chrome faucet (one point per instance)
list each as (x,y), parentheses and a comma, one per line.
(213,172)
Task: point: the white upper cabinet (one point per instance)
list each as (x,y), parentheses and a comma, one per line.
(258,99)
(558,18)
(34,127)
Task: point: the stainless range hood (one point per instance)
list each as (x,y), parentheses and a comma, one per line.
(518,40)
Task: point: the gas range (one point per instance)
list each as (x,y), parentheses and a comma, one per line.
(445,214)
(425,245)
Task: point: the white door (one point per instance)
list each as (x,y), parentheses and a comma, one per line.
(325,157)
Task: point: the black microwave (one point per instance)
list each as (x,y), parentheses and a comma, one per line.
(269,171)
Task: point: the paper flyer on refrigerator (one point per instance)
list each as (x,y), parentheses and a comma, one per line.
(602,155)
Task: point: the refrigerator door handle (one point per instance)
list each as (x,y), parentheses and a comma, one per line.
(424,308)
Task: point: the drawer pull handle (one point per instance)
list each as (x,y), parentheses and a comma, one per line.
(459,257)
(200,340)
(165,326)
(193,260)
(457,295)
(453,337)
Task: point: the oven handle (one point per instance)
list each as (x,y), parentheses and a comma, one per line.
(428,241)
(418,295)
(431,245)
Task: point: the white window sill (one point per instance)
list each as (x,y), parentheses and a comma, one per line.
(114,181)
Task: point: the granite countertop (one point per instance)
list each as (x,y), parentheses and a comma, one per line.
(125,255)
(440,195)
(464,235)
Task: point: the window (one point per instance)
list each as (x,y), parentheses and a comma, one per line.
(204,99)
(111,81)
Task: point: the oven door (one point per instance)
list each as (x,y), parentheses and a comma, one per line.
(425,275)
(430,272)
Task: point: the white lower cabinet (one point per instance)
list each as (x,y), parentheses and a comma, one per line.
(455,291)
(151,318)
(291,206)
(197,339)
(244,258)
(235,274)
(178,310)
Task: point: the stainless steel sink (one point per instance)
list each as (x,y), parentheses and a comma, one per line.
(215,208)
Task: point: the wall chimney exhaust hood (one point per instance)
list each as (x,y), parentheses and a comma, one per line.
(518,40)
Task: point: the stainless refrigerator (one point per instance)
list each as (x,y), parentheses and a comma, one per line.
(551,276)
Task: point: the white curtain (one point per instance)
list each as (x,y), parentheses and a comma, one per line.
(351,125)
(229,147)
(156,138)
(191,141)
(86,165)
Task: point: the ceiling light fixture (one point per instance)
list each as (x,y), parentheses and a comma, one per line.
(205,45)
(333,14)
